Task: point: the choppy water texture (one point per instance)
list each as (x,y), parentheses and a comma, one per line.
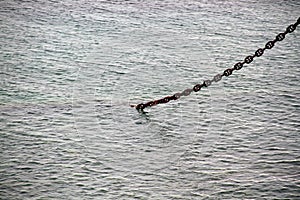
(70,69)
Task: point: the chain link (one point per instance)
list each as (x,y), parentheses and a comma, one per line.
(259,52)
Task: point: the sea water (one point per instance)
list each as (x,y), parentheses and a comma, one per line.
(70,69)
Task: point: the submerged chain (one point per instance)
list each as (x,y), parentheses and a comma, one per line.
(259,52)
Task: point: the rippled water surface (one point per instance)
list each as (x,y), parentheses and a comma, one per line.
(70,69)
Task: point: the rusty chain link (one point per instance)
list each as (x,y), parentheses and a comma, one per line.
(259,52)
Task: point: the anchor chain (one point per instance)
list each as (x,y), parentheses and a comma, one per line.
(259,52)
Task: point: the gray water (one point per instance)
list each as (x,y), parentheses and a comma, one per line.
(70,69)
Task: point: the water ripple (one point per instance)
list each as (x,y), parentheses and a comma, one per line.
(70,70)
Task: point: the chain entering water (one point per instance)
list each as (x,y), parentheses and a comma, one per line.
(259,52)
